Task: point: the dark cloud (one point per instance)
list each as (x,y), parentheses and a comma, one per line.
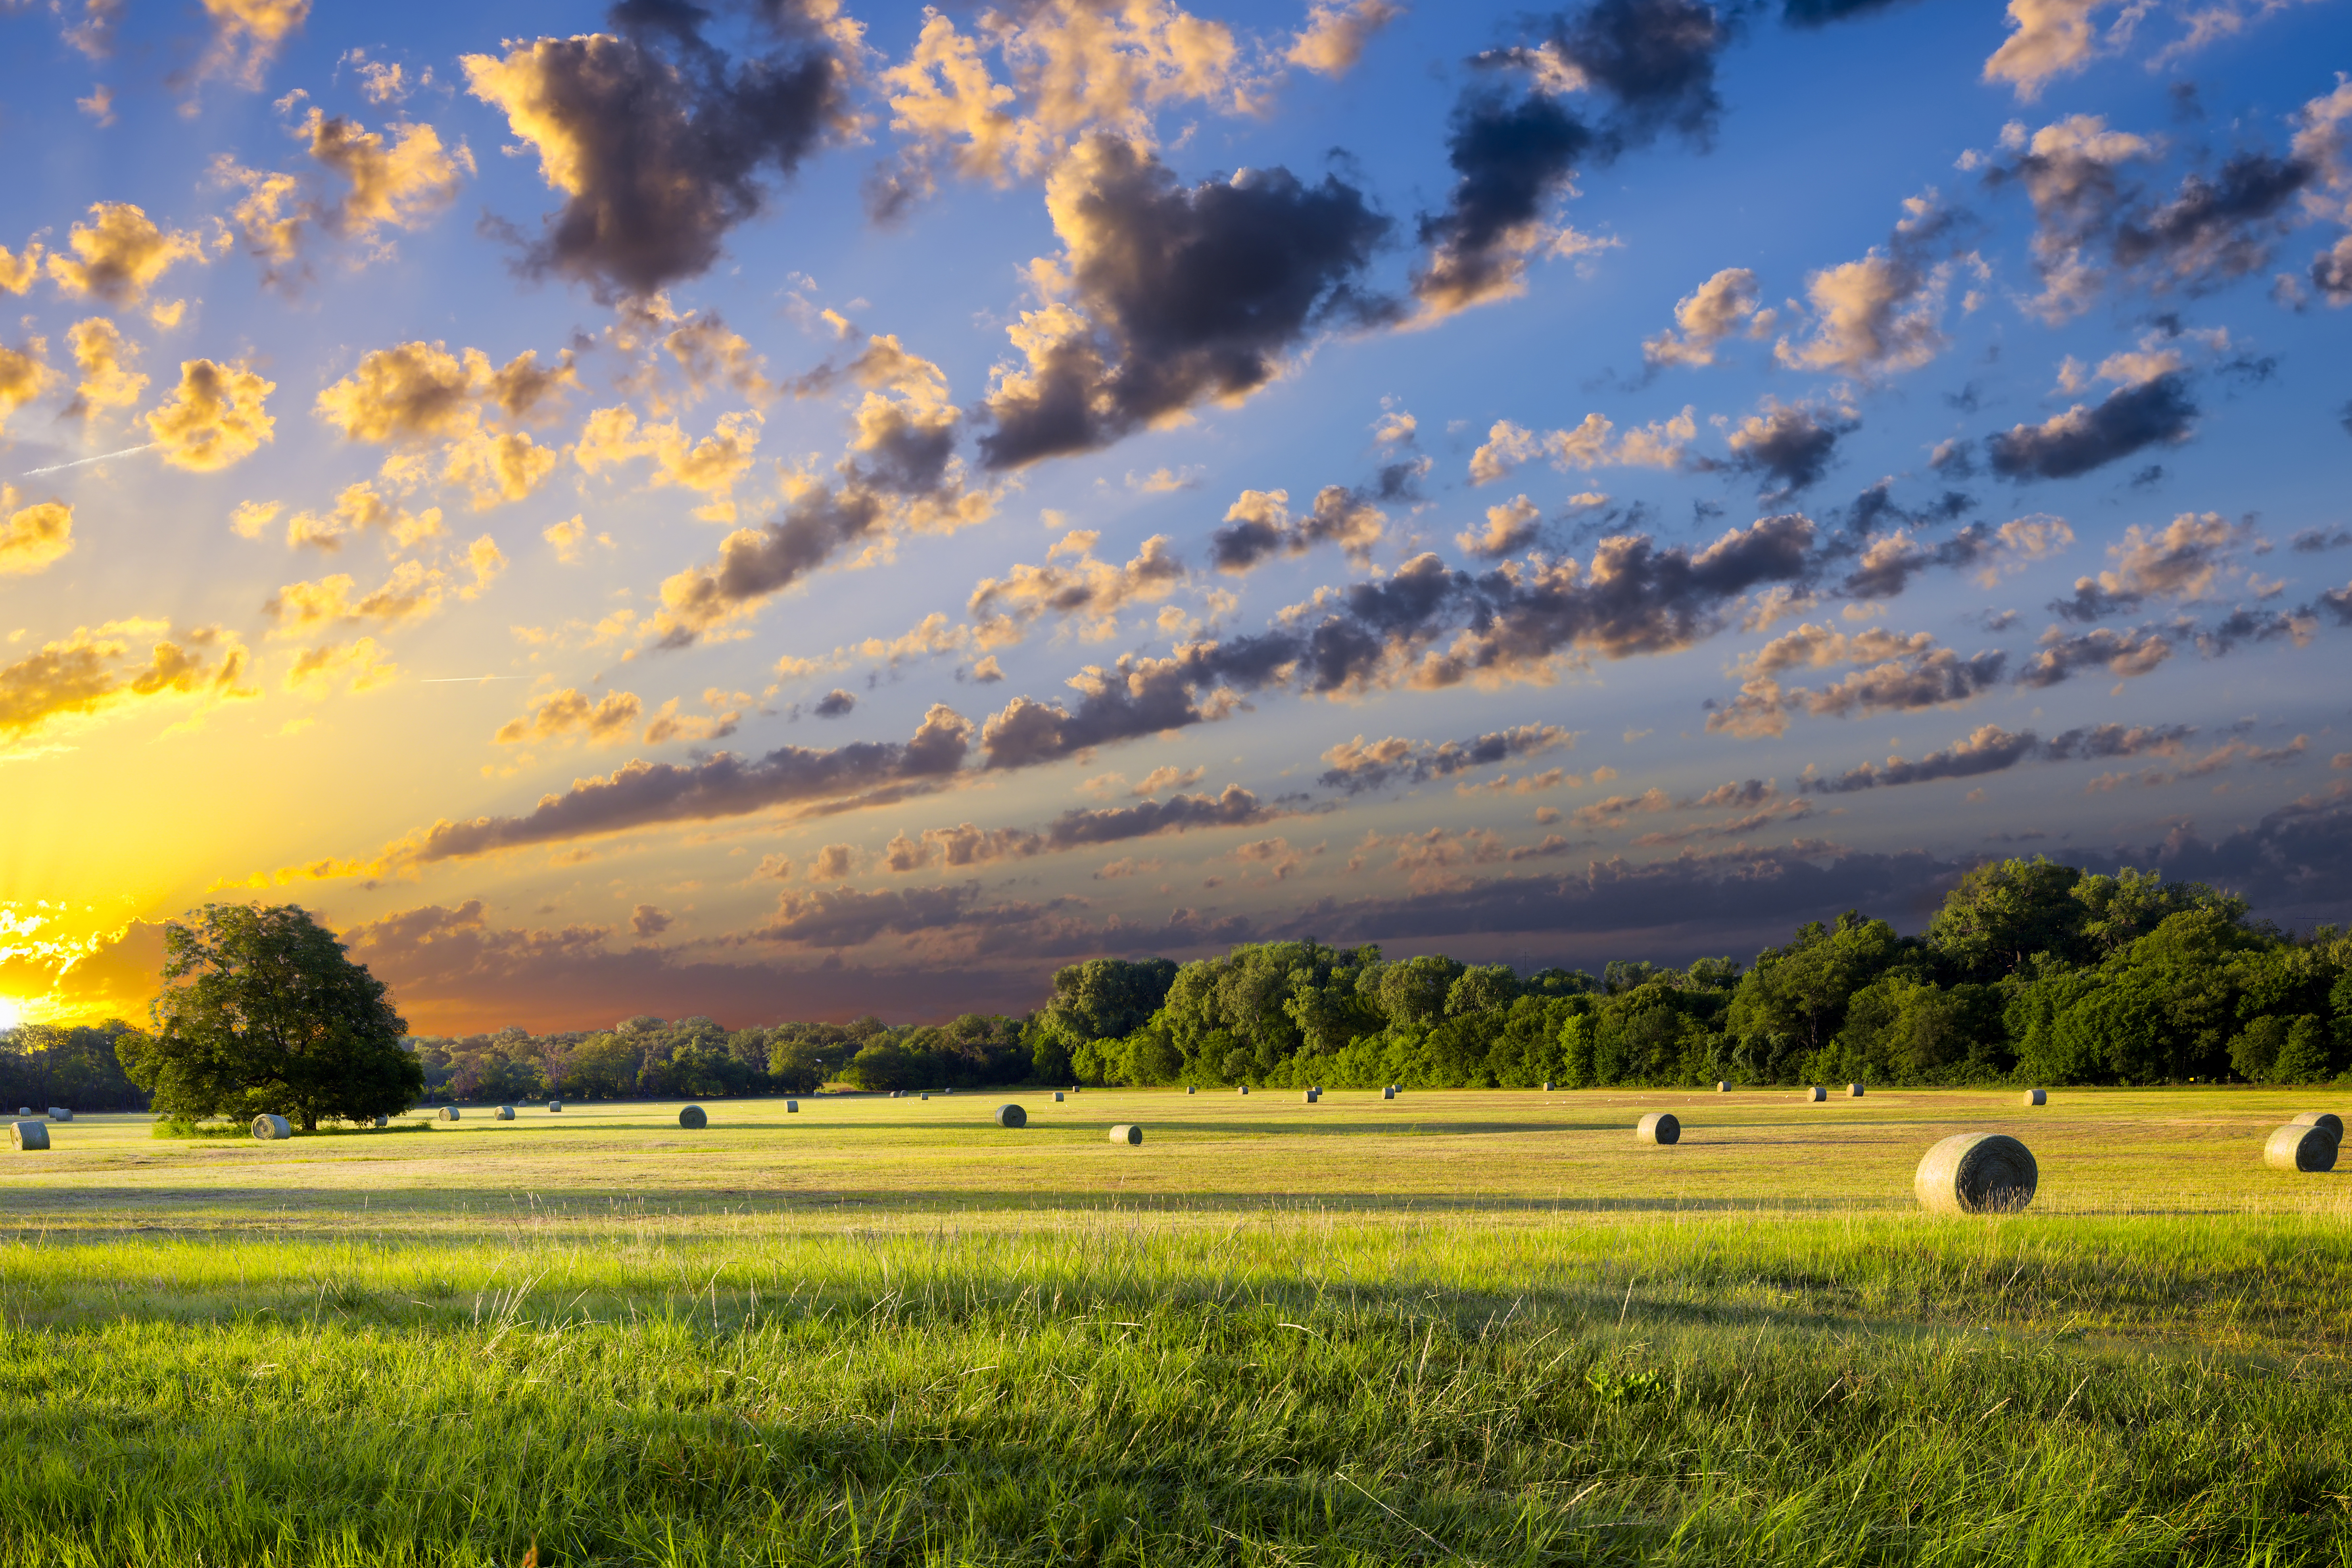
(2256,627)
(1876,507)
(1137,697)
(1821,13)
(1787,447)
(1992,750)
(1186,294)
(1357,767)
(2293,865)
(836,703)
(1928,681)
(1235,807)
(2337,602)
(2312,540)
(2085,438)
(1259,527)
(661,140)
(2122,654)
(755,562)
(2331,273)
(644,794)
(2214,230)
(1655,58)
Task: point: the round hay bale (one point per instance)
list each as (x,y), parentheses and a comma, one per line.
(2327,1119)
(791,1108)
(1659,1127)
(381,1120)
(269,1129)
(1190,1090)
(503,1113)
(555,1108)
(1311,1096)
(1547,1085)
(2037,1097)
(1243,1090)
(1817,1094)
(30,1136)
(1388,1092)
(1012,1116)
(1127,1132)
(1057,1096)
(59,1113)
(1854,1090)
(923,1097)
(1977,1173)
(693,1116)
(2309,1149)
(1722,1086)
(446,1114)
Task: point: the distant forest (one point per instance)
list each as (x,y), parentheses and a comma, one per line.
(2031,972)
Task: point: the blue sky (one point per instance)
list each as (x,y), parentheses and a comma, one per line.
(988,489)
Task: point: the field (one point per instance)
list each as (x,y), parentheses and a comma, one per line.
(1480,1327)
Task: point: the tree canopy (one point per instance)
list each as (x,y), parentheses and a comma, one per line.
(263,1013)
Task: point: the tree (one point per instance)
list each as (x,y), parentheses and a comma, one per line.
(262,1012)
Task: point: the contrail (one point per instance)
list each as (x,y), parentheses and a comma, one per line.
(78,462)
(456,679)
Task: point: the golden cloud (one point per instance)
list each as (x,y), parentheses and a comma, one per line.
(605,720)
(117,257)
(248,34)
(31,538)
(23,376)
(614,435)
(96,670)
(214,418)
(356,667)
(104,358)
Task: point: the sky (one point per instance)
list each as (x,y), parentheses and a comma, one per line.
(789,510)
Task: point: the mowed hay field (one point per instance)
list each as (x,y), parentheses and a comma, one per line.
(1484,1326)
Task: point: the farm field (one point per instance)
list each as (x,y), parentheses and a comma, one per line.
(1474,1326)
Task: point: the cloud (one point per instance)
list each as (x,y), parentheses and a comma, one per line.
(102,670)
(106,361)
(2091,221)
(2122,654)
(659,144)
(402,183)
(605,720)
(2216,761)
(643,794)
(2181,560)
(23,376)
(1074,68)
(1336,33)
(1788,446)
(2130,419)
(1355,766)
(1657,444)
(1882,314)
(1079,828)
(1905,673)
(247,36)
(834,704)
(2048,40)
(357,510)
(612,436)
(1888,563)
(1166,296)
(355,666)
(215,418)
(1725,306)
(117,257)
(33,538)
(413,592)
(648,921)
(1092,591)
(1259,526)
(1991,749)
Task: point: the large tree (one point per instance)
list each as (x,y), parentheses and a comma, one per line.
(262,1012)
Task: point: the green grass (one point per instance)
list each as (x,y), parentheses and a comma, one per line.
(1477,1327)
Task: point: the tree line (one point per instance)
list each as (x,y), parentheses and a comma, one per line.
(2030,970)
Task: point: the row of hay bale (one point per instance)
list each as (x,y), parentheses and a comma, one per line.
(2309,1143)
(55,1112)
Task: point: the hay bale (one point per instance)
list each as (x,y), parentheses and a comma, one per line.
(271,1129)
(2327,1119)
(1722,1086)
(381,1120)
(1190,1090)
(1817,1094)
(1975,1172)
(1311,1096)
(791,1108)
(1853,1092)
(2310,1150)
(1127,1132)
(1388,1092)
(2037,1097)
(446,1114)
(1658,1127)
(30,1136)
(555,1108)
(1057,1096)
(693,1116)
(1243,1090)
(59,1113)
(1547,1085)
(1012,1116)
(503,1113)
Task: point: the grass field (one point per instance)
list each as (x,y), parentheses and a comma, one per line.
(1484,1326)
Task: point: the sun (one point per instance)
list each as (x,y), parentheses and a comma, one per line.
(12,1012)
